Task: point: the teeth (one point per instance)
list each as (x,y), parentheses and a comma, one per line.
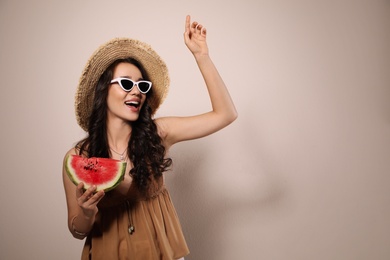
(132,103)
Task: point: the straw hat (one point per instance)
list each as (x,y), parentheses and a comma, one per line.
(103,57)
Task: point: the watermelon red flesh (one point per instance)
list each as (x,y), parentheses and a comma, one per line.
(104,173)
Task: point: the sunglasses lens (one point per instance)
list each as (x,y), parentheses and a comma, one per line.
(144,86)
(127,84)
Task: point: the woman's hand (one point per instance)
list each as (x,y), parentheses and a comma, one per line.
(195,37)
(88,200)
(81,204)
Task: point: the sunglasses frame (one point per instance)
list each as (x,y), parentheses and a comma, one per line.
(135,83)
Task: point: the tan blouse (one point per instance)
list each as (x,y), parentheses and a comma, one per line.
(156,233)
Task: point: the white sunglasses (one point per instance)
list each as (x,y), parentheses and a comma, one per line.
(127,84)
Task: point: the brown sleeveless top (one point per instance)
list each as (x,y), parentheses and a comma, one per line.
(136,226)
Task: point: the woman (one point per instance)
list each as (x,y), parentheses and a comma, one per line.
(121,87)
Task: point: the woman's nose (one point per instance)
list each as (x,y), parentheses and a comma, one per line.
(135,90)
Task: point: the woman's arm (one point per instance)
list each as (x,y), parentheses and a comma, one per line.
(82,205)
(176,129)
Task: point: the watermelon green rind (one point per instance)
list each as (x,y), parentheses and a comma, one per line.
(100,167)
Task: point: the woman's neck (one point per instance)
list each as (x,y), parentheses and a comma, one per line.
(118,135)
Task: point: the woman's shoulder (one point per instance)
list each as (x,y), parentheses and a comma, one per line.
(76,150)
(71,151)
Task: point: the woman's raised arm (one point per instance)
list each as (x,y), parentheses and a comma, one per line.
(176,129)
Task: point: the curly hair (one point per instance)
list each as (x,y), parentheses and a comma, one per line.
(145,148)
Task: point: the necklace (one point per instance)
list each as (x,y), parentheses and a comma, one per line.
(122,157)
(131,228)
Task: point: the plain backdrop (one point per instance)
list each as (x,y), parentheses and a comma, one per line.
(304,172)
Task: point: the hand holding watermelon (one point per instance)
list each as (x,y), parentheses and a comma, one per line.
(88,199)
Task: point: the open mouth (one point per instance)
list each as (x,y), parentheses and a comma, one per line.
(135,104)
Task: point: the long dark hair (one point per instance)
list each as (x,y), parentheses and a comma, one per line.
(145,148)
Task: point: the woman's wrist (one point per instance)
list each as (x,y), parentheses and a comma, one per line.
(201,56)
(79,223)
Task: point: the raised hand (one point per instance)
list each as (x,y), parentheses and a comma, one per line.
(195,37)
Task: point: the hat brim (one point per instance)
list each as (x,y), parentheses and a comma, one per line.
(103,57)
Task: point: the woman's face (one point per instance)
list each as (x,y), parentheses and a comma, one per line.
(124,105)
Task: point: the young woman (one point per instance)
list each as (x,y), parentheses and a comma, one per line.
(121,87)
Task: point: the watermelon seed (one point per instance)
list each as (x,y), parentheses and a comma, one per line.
(90,166)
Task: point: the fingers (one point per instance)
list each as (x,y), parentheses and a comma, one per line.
(193,28)
(187,24)
(197,28)
(187,30)
(96,197)
(79,190)
(89,197)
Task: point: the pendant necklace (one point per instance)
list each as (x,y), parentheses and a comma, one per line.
(131,227)
(122,157)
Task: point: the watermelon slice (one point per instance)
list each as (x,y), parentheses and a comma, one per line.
(104,173)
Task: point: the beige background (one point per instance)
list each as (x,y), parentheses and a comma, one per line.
(304,172)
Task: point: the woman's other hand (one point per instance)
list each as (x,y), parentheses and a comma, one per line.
(195,37)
